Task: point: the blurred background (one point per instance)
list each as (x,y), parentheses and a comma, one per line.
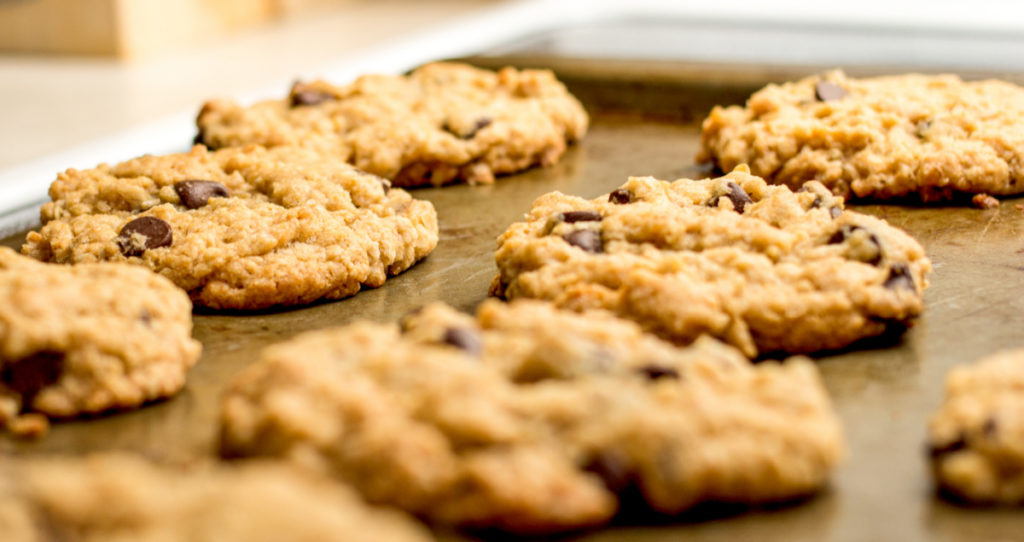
(85,81)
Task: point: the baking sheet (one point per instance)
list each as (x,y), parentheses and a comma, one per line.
(645,122)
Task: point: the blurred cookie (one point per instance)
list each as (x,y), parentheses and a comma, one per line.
(758,266)
(976,439)
(119,497)
(242,228)
(442,123)
(928,136)
(532,419)
(86,339)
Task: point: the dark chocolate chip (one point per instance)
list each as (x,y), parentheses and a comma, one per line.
(825,91)
(571,217)
(846,231)
(28,376)
(588,240)
(739,198)
(654,372)
(990,428)
(936,451)
(464,339)
(480,124)
(156,231)
(195,194)
(198,139)
(836,212)
(620,196)
(899,277)
(612,468)
(301,97)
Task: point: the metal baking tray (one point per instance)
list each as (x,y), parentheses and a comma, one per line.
(645,121)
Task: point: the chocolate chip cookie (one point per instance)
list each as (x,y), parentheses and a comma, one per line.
(442,123)
(532,419)
(976,439)
(118,497)
(242,228)
(927,136)
(758,266)
(86,339)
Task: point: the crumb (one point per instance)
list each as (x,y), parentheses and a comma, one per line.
(29,426)
(984,201)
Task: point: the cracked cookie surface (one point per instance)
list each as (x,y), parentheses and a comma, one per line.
(976,438)
(442,123)
(121,498)
(927,136)
(241,228)
(758,266)
(532,419)
(86,339)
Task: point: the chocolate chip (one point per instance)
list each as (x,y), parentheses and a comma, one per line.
(386,184)
(28,376)
(464,339)
(836,212)
(847,231)
(654,372)
(571,217)
(936,451)
(145,317)
(989,428)
(198,139)
(480,124)
(612,468)
(899,277)
(825,91)
(195,194)
(305,96)
(620,196)
(588,240)
(739,198)
(156,232)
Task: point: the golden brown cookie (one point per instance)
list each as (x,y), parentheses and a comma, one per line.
(442,123)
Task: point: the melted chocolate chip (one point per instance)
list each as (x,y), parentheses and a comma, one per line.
(936,451)
(612,468)
(825,91)
(28,376)
(195,194)
(571,217)
(157,234)
(739,198)
(899,277)
(654,372)
(620,196)
(301,97)
(465,339)
(588,240)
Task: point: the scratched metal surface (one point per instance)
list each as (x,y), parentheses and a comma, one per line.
(645,123)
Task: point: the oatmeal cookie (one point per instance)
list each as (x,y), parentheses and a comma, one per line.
(442,123)
(976,439)
(759,266)
(121,498)
(86,339)
(928,136)
(242,228)
(532,419)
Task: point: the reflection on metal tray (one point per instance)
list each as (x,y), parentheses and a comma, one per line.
(645,123)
